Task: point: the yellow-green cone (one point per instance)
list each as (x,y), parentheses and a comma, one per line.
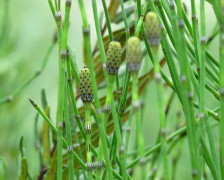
(133,54)
(85,85)
(113,57)
(152,27)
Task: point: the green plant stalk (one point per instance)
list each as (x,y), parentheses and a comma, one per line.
(175,160)
(52,7)
(88,137)
(139,128)
(109,91)
(171,65)
(107,20)
(59,4)
(108,144)
(221,91)
(126,24)
(62,37)
(62,40)
(139,6)
(46,140)
(160,99)
(119,140)
(141,18)
(94,86)
(195,31)
(113,108)
(121,107)
(138,113)
(209,160)
(186,89)
(106,113)
(60,107)
(203,116)
(74,69)
(69,137)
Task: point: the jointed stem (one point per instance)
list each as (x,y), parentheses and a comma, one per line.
(203,115)
(160,100)
(88,138)
(94,86)
(139,128)
(69,138)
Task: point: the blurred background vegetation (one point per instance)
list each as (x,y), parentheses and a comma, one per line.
(26,34)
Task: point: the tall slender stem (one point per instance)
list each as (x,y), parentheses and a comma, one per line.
(221,90)
(86,32)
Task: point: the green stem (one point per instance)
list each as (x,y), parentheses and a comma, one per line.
(139,6)
(139,128)
(195,31)
(141,18)
(160,100)
(94,84)
(113,108)
(186,87)
(69,137)
(88,138)
(107,20)
(203,115)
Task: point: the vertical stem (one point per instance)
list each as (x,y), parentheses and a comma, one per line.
(195,31)
(113,107)
(60,107)
(203,115)
(139,6)
(107,20)
(139,128)
(62,37)
(160,100)
(69,137)
(180,45)
(88,138)
(86,32)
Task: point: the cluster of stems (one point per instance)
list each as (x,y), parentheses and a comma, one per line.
(107,153)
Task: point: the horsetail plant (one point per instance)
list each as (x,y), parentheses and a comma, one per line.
(153,34)
(94,149)
(113,108)
(133,59)
(87,98)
